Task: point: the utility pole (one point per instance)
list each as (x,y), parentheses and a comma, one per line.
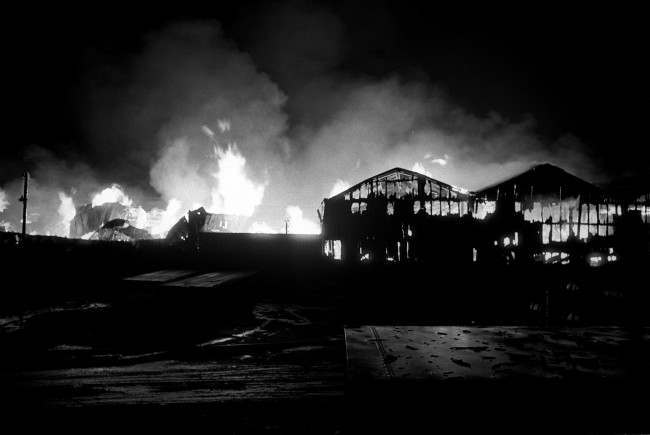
(286,226)
(23,199)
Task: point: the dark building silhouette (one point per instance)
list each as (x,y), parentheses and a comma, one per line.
(544,214)
(547,214)
(398,216)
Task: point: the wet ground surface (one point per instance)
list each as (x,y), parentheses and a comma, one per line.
(509,379)
(175,382)
(279,359)
(438,353)
(292,366)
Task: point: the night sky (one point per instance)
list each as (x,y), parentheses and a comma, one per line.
(576,71)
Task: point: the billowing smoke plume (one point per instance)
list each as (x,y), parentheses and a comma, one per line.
(66,212)
(192,120)
(224,129)
(53,185)
(345,128)
(391,123)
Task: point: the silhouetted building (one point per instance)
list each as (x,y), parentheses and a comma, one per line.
(544,214)
(547,214)
(397,216)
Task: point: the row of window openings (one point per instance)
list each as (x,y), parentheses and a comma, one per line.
(433,208)
(332,249)
(594,260)
(591,214)
(437,206)
(400,189)
(561,233)
(566,212)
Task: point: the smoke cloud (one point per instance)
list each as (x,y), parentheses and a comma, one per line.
(391,123)
(193,120)
(54,183)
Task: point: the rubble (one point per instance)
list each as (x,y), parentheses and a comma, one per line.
(120,230)
(89,219)
(201,221)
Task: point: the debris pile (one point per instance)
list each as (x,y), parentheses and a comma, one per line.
(119,230)
(89,219)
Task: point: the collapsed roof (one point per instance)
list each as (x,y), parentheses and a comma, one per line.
(201,221)
(120,230)
(89,219)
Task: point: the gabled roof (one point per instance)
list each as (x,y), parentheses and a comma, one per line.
(401,174)
(544,179)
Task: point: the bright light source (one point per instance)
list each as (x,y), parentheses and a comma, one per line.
(595,260)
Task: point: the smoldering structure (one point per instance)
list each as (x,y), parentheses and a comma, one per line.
(542,215)
(114,221)
(201,221)
(395,217)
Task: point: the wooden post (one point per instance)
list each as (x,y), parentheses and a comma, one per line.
(588,216)
(579,215)
(23,199)
(560,220)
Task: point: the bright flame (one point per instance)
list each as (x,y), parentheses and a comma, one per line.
(139,217)
(3,201)
(419,168)
(261,227)
(595,260)
(112,194)
(298,224)
(156,221)
(163,220)
(339,186)
(67,211)
(235,193)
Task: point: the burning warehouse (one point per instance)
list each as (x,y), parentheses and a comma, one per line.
(396,216)
(544,214)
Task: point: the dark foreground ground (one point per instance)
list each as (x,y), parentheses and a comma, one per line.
(245,377)
(83,349)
